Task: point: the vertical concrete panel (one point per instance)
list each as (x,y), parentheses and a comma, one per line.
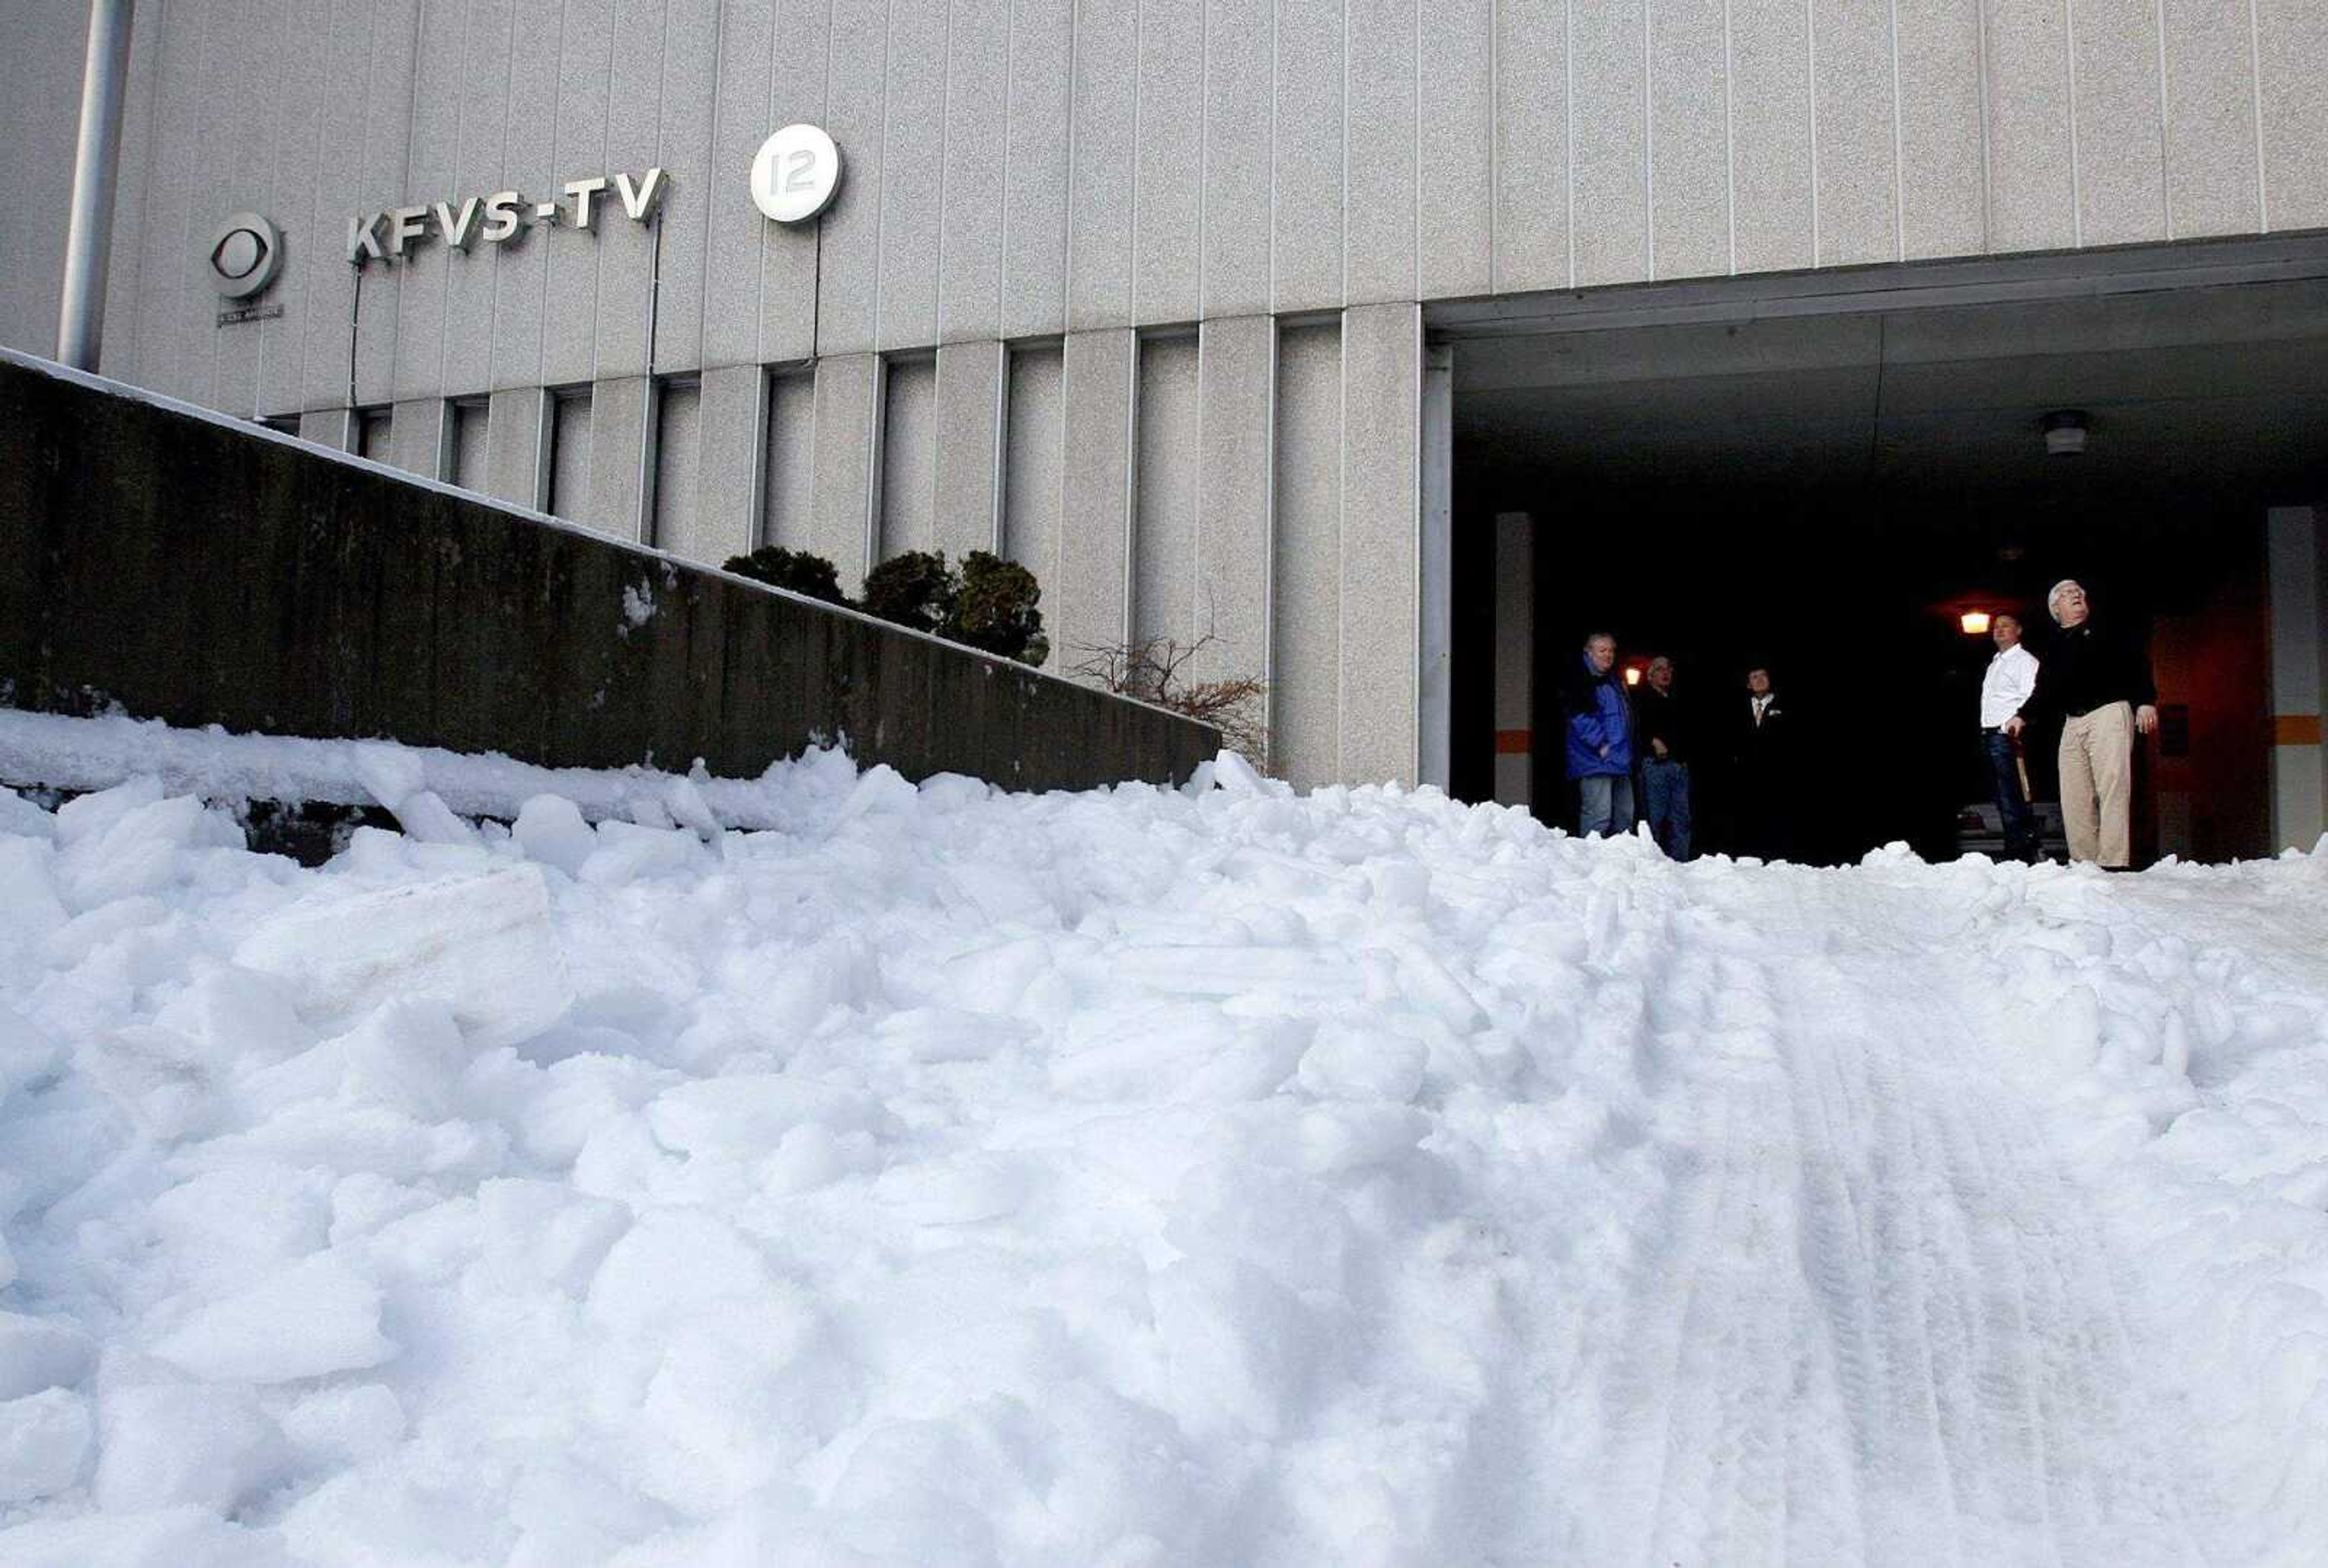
(1382,383)
(471,421)
(333,428)
(733,462)
(245,74)
(2295,553)
(688,88)
(1858,135)
(1940,209)
(296,66)
(118,351)
(1034,472)
(733,229)
(789,485)
(388,137)
(43,43)
(569,342)
(423,281)
(913,168)
(1379,238)
(341,191)
(678,475)
(1168,161)
(1240,64)
(971,387)
(420,437)
(1770,126)
(2292,49)
(801,78)
(1035,198)
(2030,205)
(1164,526)
(166,276)
(1455,142)
(850,270)
(1610,79)
(529,165)
(2211,181)
(481,87)
(566,492)
(977,143)
(1689,139)
(1103,142)
(517,432)
(1308,149)
(909,457)
(1531,147)
(1095,567)
(621,428)
(1237,416)
(625,252)
(2121,140)
(845,450)
(1305,555)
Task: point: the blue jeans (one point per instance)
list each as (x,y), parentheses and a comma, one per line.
(1605,805)
(2020,822)
(1664,784)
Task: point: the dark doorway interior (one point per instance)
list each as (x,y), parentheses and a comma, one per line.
(1738,480)
(1854,606)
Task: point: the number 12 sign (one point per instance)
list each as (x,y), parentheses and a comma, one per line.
(796,174)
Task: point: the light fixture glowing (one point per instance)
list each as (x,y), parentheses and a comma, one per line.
(1632,675)
(1974,621)
(2065,432)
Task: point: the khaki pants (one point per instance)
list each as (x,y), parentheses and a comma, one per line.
(2098,783)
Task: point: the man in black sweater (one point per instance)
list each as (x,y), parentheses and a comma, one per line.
(2096,679)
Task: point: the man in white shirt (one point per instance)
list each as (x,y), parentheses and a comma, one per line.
(2012,677)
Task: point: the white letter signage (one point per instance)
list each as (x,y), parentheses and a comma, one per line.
(796,174)
(394,234)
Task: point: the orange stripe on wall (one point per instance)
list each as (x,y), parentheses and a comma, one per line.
(2295,729)
(1515,742)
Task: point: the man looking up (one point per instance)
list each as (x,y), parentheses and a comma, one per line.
(1599,739)
(2005,690)
(1664,759)
(2098,679)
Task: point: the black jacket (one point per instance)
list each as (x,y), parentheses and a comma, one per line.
(1657,716)
(2091,665)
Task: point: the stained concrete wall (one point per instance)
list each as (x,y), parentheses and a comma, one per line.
(195,571)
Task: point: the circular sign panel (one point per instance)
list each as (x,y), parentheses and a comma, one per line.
(796,174)
(246,255)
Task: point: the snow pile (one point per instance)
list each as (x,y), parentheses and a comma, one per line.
(1143,1177)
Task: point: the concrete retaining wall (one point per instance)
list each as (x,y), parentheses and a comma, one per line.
(193,570)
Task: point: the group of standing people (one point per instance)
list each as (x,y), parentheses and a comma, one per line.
(2094,681)
(1615,738)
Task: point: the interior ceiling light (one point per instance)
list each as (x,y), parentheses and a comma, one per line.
(2065,432)
(1632,674)
(1974,621)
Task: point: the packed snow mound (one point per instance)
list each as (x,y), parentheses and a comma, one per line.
(1144,1176)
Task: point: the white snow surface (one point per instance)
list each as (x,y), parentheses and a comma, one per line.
(933,1176)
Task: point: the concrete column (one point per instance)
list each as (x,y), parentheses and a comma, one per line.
(846,459)
(517,445)
(1236,499)
(1435,653)
(419,438)
(1095,571)
(972,385)
(2297,561)
(1515,694)
(621,447)
(1381,527)
(733,467)
(333,428)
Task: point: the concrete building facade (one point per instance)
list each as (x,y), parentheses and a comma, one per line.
(1170,299)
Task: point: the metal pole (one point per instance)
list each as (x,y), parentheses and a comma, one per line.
(80,318)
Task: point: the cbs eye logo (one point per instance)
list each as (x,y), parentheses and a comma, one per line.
(246,255)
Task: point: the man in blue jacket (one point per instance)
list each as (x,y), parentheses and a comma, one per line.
(1599,739)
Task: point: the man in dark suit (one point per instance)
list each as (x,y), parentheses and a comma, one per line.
(1762,769)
